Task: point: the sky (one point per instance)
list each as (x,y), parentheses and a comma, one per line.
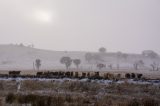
(82,25)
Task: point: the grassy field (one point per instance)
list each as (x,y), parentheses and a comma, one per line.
(68,92)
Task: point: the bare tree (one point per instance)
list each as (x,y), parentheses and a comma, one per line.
(155,66)
(137,64)
(150,53)
(88,57)
(77,62)
(110,66)
(118,55)
(67,61)
(37,63)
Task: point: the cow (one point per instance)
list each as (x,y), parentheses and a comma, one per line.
(108,76)
(88,75)
(76,75)
(14,73)
(39,74)
(68,74)
(83,75)
(133,75)
(61,74)
(139,76)
(96,75)
(127,75)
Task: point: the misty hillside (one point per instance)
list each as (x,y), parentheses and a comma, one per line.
(21,57)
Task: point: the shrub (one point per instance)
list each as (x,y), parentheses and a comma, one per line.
(10,98)
(149,102)
(134,102)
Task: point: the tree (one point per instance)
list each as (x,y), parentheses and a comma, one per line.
(37,63)
(118,55)
(137,64)
(67,61)
(88,57)
(102,50)
(154,66)
(153,55)
(100,66)
(150,53)
(77,62)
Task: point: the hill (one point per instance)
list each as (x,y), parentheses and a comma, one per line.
(20,57)
(16,57)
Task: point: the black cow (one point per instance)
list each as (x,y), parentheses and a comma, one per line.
(76,75)
(39,74)
(139,76)
(68,74)
(88,75)
(83,75)
(127,76)
(14,73)
(133,75)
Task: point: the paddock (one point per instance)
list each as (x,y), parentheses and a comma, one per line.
(111,74)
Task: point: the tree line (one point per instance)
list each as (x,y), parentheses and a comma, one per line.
(99,60)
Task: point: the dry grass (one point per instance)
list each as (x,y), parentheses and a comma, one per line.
(69,100)
(79,93)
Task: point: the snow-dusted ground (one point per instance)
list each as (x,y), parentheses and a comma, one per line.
(106,82)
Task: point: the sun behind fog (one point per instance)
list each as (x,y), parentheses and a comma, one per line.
(43,16)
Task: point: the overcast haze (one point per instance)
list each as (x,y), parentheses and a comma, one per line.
(82,25)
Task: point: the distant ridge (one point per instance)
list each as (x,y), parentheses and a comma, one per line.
(14,57)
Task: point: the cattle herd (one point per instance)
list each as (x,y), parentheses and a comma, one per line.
(73,74)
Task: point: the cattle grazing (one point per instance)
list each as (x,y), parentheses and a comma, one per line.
(83,75)
(14,73)
(68,74)
(39,74)
(118,77)
(133,75)
(61,74)
(105,76)
(139,76)
(88,75)
(55,73)
(108,76)
(96,75)
(76,74)
(72,74)
(127,76)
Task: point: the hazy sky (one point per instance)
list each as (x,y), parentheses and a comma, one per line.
(118,25)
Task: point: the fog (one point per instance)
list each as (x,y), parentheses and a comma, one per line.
(82,25)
